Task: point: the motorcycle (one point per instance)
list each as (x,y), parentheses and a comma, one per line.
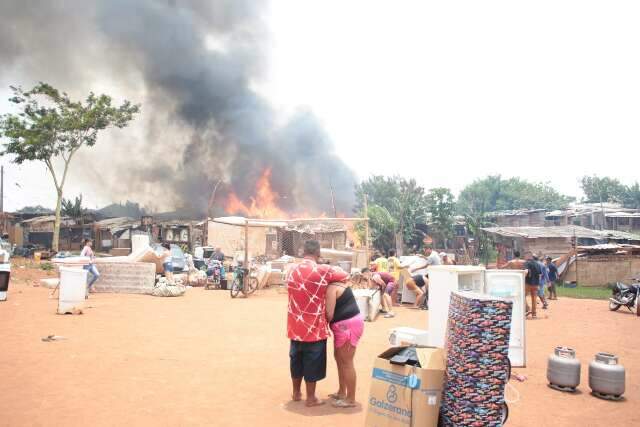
(626,295)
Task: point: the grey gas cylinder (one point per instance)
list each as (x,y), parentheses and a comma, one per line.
(606,377)
(563,369)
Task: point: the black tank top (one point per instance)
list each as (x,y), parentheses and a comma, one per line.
(346,306)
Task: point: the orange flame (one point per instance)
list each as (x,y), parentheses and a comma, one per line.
(263,205)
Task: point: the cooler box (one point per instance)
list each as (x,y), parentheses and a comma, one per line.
(73,290)
(368,301)
(5,272)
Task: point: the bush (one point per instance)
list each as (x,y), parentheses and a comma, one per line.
(46,266)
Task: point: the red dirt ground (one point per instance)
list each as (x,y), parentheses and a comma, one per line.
(205,359)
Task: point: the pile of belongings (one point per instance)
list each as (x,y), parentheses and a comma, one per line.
(164,288)
(358,281)
(197,278)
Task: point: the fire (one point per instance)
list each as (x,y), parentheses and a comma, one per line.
(263,205)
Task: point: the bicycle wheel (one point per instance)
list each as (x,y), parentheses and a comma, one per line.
(236,287)
(252,285)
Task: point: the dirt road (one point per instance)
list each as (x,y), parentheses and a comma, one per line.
(205,359)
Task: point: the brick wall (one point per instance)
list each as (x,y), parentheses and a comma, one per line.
(603,270)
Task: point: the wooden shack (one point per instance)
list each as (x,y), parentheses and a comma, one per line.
(553,241)
(274,238)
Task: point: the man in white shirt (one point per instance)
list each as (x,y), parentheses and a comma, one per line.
(430,257)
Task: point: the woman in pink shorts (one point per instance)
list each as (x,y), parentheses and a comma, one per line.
(347,325)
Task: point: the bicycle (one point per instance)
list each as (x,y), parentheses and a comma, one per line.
(243,281)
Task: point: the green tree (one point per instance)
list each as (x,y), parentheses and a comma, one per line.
(73,209)
(382,227)
(50,128)
(485,252)
(380,190)
(442,210)
(632,196)
(403,199)
(602,189)
(35,210)
(494,193)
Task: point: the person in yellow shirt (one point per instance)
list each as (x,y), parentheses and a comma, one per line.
(382,264)
(394,270)
(394,265)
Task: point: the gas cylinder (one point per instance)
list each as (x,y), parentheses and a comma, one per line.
(606,377)
(563,369)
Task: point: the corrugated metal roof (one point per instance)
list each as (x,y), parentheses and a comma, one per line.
(514,212)
(560,231)
(301,224)
(609,247)
(105,223)
(623,215)
(38,219)
(239,220)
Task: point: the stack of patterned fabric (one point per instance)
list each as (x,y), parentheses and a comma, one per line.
(477,362)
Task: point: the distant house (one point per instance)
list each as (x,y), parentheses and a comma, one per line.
(274,238)
(518,218)
(39,231)
(623,221)
(186,234)
(114,233)
(609,216)
(554,240)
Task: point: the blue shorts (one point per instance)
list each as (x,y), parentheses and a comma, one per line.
(541,290)
(308,360)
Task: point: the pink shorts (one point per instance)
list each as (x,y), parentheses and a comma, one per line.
(348,330)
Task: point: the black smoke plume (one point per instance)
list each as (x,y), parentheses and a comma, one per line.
(193,66)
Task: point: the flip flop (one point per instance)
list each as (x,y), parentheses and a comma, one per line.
(343,404)
(335,396)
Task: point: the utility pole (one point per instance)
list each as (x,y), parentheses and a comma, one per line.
(366,228)
(246,253)
(575,251)
(333,200)
(1,189)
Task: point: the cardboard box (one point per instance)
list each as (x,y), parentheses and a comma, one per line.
(404,395)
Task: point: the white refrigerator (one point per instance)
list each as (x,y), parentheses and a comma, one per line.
(507,284)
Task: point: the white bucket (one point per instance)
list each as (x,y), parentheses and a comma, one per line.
(368,301)
(73,290)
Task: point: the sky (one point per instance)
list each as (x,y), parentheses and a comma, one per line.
(448,92)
